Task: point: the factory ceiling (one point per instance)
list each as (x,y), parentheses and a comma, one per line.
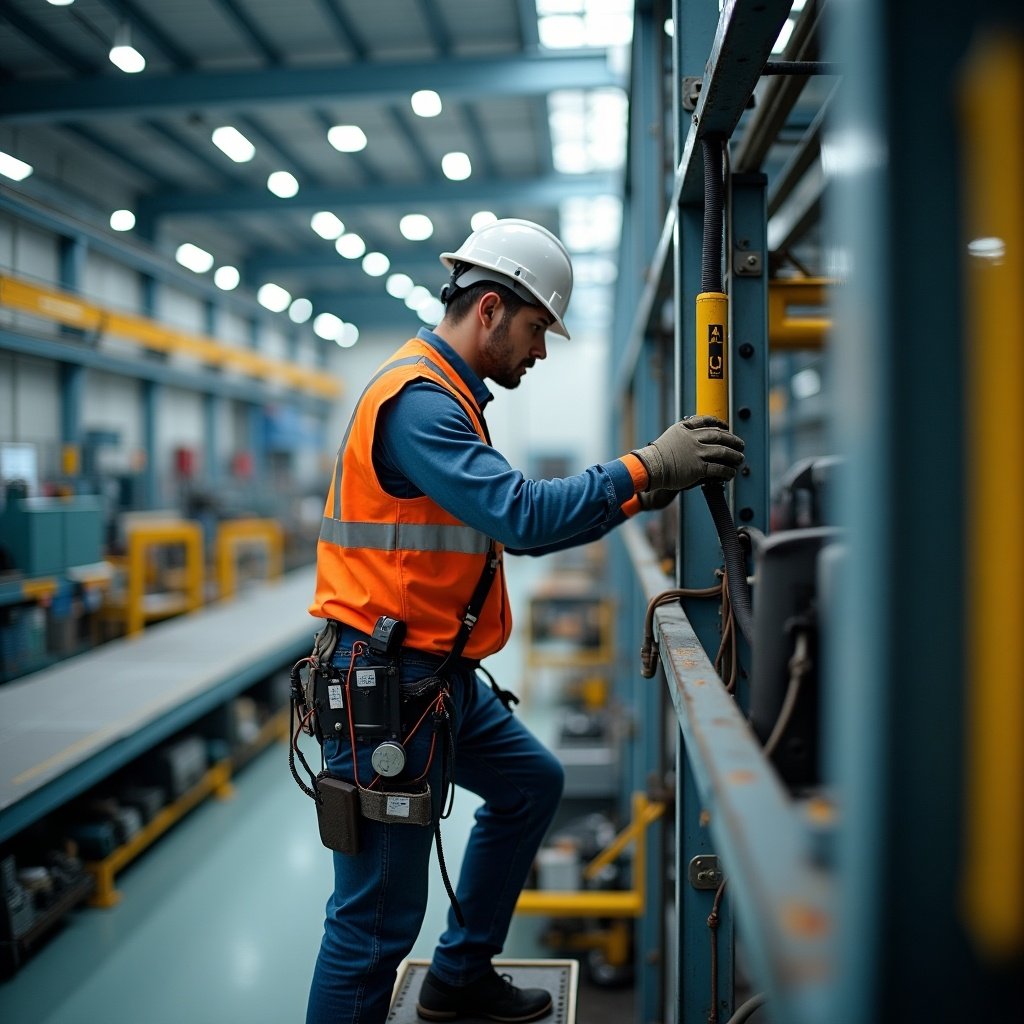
(367,110)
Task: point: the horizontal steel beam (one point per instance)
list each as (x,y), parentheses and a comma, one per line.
(544,191)
(158,371)
(783,900)
(150,95)
(325,262)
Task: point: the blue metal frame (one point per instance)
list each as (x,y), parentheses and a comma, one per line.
(544,190)
(458,78)
(706,818)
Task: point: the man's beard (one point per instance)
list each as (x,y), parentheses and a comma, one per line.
(497,355)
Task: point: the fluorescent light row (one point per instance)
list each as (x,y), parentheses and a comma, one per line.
(421,300)
(12,167)
(333,328)
(416,297)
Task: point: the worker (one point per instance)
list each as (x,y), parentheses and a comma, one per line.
(420,509)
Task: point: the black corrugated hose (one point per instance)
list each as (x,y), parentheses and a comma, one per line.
(711,281)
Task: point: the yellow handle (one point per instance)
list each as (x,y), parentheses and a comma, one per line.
(712,366)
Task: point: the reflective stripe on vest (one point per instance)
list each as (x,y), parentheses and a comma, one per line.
(461,540)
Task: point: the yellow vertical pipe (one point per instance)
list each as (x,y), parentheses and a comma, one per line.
(993,871)
(712,369)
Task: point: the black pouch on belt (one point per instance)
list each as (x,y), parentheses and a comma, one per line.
(337,811)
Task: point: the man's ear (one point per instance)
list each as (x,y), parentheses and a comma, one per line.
(489,307)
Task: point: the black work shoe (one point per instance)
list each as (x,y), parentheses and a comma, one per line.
(492,997)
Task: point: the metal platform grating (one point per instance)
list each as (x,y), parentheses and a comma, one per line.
(559,977)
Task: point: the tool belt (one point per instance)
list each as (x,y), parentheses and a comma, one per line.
(369,701)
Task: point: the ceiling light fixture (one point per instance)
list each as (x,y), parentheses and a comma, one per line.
(426,103)
(456,166)
(12,167)
(226,278)
(416,227)
(376,264)
(123,55)
(283,184)
(481,219)
(327,326)
(431,312)
(122,220)
(61,3)
(327,225)
(348,335)
(398,285)
(300,311)
(418,297)
(351,246)
(273,297)
(232,143)
(347,138)
(193,258)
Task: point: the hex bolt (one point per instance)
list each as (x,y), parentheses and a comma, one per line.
(751,260)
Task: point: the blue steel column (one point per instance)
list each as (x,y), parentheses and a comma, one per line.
(895,688)
(73,254)
(746,253)
(646,202)
(150,399)
(257,432)
(212,403)
(698,558)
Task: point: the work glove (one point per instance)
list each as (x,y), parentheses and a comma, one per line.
(691,451)
(654,501)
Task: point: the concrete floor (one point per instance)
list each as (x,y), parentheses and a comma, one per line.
(221,919)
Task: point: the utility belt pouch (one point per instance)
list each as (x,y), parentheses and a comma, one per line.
(396,808)
(337,811)
(324,643)
(329,700)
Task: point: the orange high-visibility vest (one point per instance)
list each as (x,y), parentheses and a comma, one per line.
(404,557)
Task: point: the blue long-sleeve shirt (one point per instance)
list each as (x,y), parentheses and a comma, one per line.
(427,444)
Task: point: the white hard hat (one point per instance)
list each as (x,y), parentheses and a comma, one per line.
(521,255)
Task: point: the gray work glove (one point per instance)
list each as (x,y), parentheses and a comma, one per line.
(653,501)
(691,451)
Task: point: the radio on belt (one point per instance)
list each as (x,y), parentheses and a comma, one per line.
(387,636)
(374,692)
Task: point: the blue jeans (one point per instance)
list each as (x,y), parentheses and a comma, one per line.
(380,894)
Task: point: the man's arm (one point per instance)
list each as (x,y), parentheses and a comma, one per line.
(425,439)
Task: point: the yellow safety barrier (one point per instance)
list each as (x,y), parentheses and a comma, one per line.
(603,902)
(69,310)
(789,330)
(138,607)
(216,780)
(233,534)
